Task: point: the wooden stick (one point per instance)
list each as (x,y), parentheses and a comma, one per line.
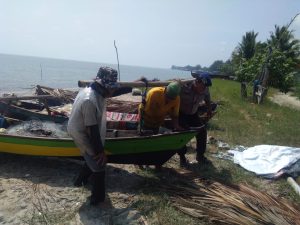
(294,185)
(85,83)
(12,98)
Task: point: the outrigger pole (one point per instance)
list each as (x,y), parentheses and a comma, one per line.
(86,83)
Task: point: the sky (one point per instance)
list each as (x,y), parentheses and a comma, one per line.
(150,33)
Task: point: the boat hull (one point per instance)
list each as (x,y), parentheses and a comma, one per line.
(149,150)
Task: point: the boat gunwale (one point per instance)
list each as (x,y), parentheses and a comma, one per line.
(107,139)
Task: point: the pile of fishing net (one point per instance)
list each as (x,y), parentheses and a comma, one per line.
(37,128)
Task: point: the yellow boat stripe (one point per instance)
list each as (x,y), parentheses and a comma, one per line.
(40,150)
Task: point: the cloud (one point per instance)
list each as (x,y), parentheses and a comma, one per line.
(223,43)
(223,47)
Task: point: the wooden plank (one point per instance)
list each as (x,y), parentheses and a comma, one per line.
(30,97)
(85,83)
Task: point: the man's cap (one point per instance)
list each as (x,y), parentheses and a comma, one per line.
(107,77)
(173,90)
(204,77)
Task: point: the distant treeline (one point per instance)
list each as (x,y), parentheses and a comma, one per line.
(217,68)
(279,55)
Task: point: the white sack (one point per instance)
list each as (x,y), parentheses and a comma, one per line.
(266,159)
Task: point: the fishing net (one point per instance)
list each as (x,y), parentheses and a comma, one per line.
(37,128)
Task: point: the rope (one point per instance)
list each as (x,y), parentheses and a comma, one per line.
(144,95)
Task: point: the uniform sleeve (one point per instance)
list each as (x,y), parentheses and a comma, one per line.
(89,113)
(207,95)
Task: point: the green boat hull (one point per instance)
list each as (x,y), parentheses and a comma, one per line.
(143,150)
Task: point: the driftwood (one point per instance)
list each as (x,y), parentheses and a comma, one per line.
(59,96)
(114,105)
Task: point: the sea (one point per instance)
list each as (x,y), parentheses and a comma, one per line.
(23,73)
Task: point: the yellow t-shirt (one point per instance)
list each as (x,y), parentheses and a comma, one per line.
(156,108)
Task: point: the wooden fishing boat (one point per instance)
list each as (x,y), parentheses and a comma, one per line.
(121,147)
(16,107)
(16,112)
(115,120)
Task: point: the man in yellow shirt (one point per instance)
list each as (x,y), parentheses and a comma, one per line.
(160,103)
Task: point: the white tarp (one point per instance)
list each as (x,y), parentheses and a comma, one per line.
(267,160)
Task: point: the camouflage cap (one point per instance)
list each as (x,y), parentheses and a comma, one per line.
(107,77)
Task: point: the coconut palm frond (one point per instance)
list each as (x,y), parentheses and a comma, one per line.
(228,204)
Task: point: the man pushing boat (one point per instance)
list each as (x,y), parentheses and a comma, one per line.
(87,127)
(192,97)
(159,103)
(183,103)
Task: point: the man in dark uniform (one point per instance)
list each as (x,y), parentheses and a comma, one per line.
(192,95)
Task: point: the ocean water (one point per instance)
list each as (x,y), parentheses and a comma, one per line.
(21,73)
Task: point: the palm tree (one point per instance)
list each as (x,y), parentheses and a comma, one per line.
(248,45)
(283,40)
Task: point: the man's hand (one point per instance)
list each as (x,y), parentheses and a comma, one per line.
(179,128)
(176,126)
(101,159)
(209,114)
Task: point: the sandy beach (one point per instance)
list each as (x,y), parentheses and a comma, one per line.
(39,190)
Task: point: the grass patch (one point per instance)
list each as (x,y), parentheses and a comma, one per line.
(238,122)
(297,88)
(158,210)
(244,123)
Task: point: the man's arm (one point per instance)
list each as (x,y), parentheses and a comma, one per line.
(121,91)
(208,105)
(176,125)
(174,115)
(96,142)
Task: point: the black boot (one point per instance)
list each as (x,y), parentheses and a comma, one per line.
(98,189)
(201,146)
(83,176)
(183,161)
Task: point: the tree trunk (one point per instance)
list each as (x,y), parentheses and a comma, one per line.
(243,90)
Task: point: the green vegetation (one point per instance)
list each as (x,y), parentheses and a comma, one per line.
(280,54)
(297,87)
(238,122)
(243,123)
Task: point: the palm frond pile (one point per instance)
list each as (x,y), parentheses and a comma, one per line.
(229,204)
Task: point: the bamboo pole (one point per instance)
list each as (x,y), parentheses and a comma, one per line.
(85,83)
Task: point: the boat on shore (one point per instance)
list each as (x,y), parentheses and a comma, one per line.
(115,120)
(20,113)
(122,147)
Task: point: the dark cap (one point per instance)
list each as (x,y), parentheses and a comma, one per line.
(173,89)
(204,77)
